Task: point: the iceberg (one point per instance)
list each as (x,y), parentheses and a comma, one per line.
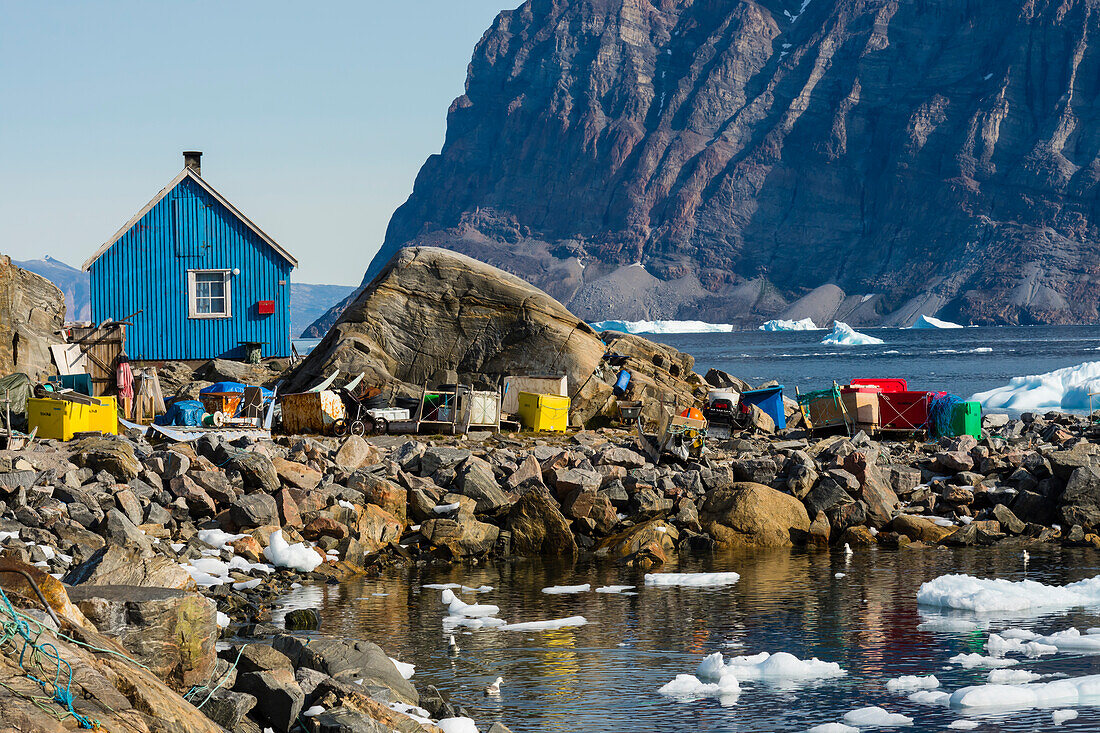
(662,326)
(1062,389)
(806,324)
(845,335)
(1072,691)
(929,322)
(982,595)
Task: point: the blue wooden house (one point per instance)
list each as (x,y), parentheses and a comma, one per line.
(194,277)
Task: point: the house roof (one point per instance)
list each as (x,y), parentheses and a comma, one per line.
(188,173)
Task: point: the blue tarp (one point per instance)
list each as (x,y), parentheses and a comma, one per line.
(236,387)
(184,412)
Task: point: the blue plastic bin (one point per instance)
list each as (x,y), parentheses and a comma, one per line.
(770,400)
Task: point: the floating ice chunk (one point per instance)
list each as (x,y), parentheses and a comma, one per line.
(457,607)
(970,661)
(614,588)
(908,683)
(1061,716)
(282,554)
(929,322)
(1071,691)
(1022,634)
(457,725)
(983,595)
(662,326)
(805,324)
(838,576)
(558,623)
(780,666)
(451,623)
(557,590)
(687,688)
(404,668)
(691,580)
(845,335)
(1012,676)
(1061,389)
(446,508)
(313,712)
(223,620)
(833,728)
(876,717)
(964,724)
(930,697)
(458,586)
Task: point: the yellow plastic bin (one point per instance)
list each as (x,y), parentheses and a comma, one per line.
(60,419)
(104,418)
(544,411)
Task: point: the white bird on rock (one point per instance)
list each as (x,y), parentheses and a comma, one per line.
(457,607)
(494,689)
(452,646)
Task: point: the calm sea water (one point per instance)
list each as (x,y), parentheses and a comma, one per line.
(604,676)
(962,361)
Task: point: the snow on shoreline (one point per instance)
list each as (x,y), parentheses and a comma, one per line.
(662,326)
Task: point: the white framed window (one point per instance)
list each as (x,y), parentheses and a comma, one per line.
(209,294)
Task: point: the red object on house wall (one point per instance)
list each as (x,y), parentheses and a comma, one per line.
(265,307)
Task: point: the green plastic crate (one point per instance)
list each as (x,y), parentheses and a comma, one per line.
(966,419)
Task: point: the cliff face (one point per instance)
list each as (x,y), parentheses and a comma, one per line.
(733,161)
(32,313)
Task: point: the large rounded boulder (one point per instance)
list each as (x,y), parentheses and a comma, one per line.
(754,515)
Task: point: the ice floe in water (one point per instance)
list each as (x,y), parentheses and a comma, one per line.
(458,586)
(615,588)
(805,324)
(1062,389)
(691,580)
(457,607)
(1061,716)
(833,728)
(1012,676)
(688,688)
(929,322)
(970,661)
(930,697)
(662,326)
(876,717)
(994,596)
(1057,693)
(1035,645)
(778,667)
(845,335)
(557,590)
(551,625)
(908,683)
(964,724)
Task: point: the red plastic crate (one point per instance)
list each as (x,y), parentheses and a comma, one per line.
(903,410)
(886,384)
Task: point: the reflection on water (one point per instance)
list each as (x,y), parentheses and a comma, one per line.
(604,676)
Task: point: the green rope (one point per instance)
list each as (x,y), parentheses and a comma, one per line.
(18,627)
(197,689)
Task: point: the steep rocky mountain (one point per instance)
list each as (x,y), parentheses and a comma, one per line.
(733,161)
(308,302)
(73,282)
(32,312)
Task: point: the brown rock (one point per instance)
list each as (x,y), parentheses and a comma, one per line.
(288,509)
(919,528)
(643,545)
(324,527)
(538,527)
(748,514)
(296,474)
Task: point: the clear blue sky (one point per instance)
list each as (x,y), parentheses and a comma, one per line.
(313,117)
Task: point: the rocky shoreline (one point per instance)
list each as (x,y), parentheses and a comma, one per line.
(165,549)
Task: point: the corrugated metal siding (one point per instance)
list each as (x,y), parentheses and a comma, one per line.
(147,270)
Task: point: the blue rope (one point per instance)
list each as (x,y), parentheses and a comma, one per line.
(64,696)
(939,414)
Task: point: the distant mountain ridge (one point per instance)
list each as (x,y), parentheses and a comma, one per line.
(308,302)
(737,161)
